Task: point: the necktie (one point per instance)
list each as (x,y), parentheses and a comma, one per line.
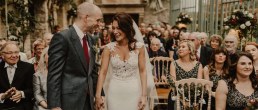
(85,48)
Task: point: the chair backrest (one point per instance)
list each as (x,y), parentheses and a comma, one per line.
(195,90)
(161,68)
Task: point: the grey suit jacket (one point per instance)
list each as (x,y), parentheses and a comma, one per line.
(70,78)
(39,89)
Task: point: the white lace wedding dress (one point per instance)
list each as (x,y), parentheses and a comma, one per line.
(124,89)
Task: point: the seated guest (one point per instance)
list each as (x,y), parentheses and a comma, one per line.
(202,52)
(155,50)
(204,38)
(252,48)
(216,70)
(215,41)
(15,80)
(185,67)
(239,87)
(39,82)
(149,37)
(183,36)
(47,38)
(104,38)
(172,41)
(38,46)
(230,43)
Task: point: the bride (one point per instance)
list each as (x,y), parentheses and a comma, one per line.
(124,68)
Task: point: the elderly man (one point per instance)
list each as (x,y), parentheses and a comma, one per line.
(155,50)
(202,53)
(204,38)
(230,43)
(47,38)
(15,80)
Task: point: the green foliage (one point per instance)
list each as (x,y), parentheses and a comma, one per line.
(63,2)
(21,22)
(73,11)
(241,20)
(184,18)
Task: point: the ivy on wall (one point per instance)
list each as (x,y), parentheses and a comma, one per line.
(20,19)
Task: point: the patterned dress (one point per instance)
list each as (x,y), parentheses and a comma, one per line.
(182,74)
(214,77)
(236,100)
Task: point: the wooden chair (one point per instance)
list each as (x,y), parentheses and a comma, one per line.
(195,88)
(161,69)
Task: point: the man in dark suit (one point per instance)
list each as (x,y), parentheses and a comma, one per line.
(15,80)
(202,52)
(72,71)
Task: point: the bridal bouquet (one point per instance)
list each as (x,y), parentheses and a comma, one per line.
(252,104)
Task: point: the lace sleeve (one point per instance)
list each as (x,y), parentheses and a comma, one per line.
(111,46)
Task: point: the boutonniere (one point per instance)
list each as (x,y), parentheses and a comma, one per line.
(95,49)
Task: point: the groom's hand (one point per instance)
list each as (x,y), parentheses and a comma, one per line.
(99,103)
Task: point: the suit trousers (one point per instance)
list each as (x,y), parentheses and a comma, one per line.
(87,105)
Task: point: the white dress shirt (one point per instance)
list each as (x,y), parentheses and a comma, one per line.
(199,52)
(10,69)
(81,35)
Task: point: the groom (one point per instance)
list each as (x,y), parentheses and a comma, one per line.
(72,72)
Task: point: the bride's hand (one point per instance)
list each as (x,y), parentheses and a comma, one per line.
(142,102)
(99,103)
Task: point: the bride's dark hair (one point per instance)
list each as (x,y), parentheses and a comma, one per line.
(125,23)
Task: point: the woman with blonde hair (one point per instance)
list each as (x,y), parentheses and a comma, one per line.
(185,67)
(39,82)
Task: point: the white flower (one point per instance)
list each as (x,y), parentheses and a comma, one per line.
(179,19)
(233,16)
(250,15)
(225,19)
(235,11)
(242,26)
(191,19)
(248,23)
(186,16)
(245,12)
(226,27)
